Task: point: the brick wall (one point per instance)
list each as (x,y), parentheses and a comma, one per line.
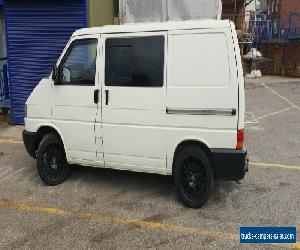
(228,12)
(282,8)
(286,65)
(286,7)
(292,62)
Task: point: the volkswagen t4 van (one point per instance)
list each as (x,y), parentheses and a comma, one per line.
(163,98)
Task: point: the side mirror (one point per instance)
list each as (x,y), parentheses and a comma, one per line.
(55,74)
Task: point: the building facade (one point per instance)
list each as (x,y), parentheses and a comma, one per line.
(287,12)
(281,38)
(235,11)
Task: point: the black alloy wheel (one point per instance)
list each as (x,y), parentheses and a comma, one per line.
(193,180)
(193,176)
(51,161)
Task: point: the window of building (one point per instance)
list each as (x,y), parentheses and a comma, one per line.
(137,61)
(78,66)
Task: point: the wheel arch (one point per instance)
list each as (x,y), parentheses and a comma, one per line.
(187,142)
(44,129)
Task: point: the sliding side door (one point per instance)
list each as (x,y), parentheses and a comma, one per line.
(134,102)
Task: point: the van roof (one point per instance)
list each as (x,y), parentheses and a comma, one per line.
(144,27)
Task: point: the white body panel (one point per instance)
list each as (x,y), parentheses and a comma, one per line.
(139,129)
(208,84)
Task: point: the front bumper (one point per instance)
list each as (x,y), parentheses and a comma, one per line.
(29,139)
(230,164)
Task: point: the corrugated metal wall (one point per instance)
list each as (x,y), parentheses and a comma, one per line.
(37,32)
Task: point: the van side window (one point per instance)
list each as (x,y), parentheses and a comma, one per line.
(78,66)
(134,62)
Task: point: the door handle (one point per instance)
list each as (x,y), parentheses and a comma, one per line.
(96,96)
(106,97)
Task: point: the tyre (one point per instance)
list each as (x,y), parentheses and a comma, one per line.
(52,164)
(193,176)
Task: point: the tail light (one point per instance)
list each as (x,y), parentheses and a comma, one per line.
(240,139)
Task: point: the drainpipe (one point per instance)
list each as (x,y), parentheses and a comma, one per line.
(235,8)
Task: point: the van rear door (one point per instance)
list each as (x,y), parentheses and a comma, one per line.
(202,87)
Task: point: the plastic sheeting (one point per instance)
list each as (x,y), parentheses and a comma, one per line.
(137,11)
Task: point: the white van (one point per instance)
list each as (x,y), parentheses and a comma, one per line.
(164,98)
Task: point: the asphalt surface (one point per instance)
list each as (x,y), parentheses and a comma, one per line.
(101,208)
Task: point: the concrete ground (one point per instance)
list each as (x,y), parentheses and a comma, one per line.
(100,208)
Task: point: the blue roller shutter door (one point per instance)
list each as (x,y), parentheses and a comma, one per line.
(37,32)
